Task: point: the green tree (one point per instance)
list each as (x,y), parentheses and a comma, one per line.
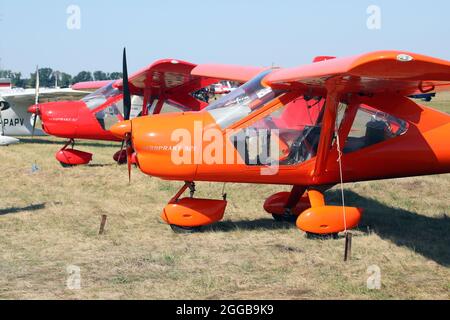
(45,78)
(100,75)
(55,79)
(5,74)
(65,80)
(115,75)
(82,76)
(15,77)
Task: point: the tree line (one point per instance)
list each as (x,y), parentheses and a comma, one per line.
(49,78)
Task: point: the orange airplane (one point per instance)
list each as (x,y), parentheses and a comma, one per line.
(334,121)
(164,86)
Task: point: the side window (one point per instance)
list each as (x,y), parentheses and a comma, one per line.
(288,136)
(168,107)
(107,117)
(372,126)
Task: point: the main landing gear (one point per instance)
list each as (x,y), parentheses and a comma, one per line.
(312,215)
(71,157)
(120,156)
(187,215)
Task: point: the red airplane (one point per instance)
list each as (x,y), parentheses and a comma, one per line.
(164,86)
(334,121)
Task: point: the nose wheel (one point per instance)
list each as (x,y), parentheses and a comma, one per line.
(189,214)
(185,230)
(71,157)
(65,165)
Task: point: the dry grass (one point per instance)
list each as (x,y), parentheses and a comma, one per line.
(49,219)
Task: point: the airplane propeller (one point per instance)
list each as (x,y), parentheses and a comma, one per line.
(126,88)
(127,112)
(36,102)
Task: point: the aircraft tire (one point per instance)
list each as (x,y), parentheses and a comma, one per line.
(184,230)
(315,236)
(65,165)
(284,218)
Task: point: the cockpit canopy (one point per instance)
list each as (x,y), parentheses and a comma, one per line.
(100,96)
(241,102)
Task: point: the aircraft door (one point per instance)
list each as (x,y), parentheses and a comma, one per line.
(288,136)
(110,114)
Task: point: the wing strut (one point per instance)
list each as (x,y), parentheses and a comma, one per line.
(328,124)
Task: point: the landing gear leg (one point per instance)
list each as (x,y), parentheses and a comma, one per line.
(183,229)
(62,163)
(71,157)
(189,214)
(288,214)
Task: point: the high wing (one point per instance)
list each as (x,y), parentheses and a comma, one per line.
(177,79)
(382,71)
(90,85)
(227,72)
(26,97)
(397,72)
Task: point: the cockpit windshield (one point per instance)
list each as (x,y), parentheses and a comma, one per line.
(99,97)
(241,102)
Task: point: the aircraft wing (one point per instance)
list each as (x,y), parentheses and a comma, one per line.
(382,71)
(236,73)
(177,79)
(378,72)
(90,85)
(26,97)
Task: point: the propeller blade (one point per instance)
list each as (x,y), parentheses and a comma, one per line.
(121,152)
(126,88)
(34,124)
(36,89)
(129,156)
(36,101)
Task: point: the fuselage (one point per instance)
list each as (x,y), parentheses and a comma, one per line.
(15,119)
(412,141)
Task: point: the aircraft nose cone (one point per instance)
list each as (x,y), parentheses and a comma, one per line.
(120,129)
(33,109)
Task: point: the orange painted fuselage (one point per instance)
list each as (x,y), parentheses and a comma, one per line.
(422,150)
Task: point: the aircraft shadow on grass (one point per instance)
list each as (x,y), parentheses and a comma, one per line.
(424,235)
(248,225)
(12,210)
(427,236)
(101,165)
(62,142)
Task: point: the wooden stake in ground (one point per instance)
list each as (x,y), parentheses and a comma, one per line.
(102,224)
(348,246)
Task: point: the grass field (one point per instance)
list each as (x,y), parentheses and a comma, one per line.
(49,219)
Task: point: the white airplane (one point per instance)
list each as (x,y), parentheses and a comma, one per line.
(14,103)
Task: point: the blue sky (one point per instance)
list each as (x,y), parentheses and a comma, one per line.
(251,32)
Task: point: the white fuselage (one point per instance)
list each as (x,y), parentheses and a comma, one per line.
(16,121)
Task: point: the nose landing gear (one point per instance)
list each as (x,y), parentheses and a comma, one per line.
(187,215)
(71,157)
